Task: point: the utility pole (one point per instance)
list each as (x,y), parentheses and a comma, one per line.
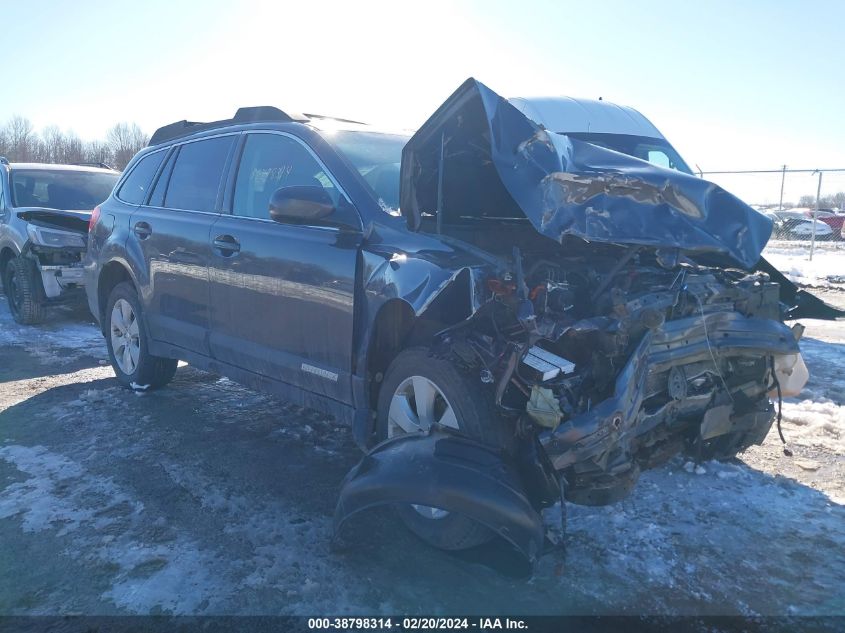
(815,214)
(782,180)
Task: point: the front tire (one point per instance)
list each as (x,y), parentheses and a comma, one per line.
(128,344)
(23,290)
(418,392)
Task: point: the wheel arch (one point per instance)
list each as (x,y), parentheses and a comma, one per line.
(111,274)
(6,254)
(397,326)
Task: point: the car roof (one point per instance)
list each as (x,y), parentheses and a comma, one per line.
(568,115)
(55,167)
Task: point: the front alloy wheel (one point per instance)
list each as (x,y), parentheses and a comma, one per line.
(420,391)
(416,405)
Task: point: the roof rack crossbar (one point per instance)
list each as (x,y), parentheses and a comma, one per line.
(260,113)
(243,115)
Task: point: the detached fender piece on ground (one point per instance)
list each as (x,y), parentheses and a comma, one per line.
(448,472)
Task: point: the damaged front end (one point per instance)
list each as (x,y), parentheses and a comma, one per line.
(55,247)
(634,319)
(617,368)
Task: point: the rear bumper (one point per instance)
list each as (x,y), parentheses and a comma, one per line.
(62,283)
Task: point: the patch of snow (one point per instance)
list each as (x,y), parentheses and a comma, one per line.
(60,495)
(815,423)
(58,341)
(792,259)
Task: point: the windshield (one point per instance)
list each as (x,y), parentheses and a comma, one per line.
(377,158)
(60,188)
(657,151)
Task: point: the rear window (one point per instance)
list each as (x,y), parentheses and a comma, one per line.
(134,188)
(654,150)
(61,189)
(196,175)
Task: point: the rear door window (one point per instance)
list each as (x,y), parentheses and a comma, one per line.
(134,189)
(160,187)
(195,180)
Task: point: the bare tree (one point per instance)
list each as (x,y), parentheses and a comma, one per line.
(125,140)
(74,149)
(4,143)
(54,144)
(21,139)
(19,142)
(96,152)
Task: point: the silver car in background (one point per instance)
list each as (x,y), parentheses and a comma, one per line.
(44,214)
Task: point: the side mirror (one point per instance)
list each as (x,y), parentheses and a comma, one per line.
(300,204)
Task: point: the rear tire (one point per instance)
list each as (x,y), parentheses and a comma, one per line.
(473,414)
(23,290)
(128,343)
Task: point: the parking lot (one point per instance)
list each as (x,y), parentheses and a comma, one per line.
(208,498)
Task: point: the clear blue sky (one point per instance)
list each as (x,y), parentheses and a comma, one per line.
(731,84)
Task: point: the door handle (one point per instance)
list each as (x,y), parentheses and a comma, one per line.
(226,245)
(143,230)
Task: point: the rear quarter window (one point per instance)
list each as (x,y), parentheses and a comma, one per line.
(134,188)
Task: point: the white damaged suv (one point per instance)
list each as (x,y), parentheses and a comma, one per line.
(44,214)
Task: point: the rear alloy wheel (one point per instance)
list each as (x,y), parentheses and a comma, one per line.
(420,391)
(126,338)
(23,291)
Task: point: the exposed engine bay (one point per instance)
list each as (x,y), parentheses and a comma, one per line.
(618,362)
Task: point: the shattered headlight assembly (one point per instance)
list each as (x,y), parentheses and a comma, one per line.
(54,237)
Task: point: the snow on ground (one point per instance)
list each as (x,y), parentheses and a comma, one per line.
(209,498)
(817,416)
(66,334)
(827,268)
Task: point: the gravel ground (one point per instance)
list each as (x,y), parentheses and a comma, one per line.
(209,498)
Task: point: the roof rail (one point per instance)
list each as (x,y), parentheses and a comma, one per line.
(243,115)
(100,164)
(332,118)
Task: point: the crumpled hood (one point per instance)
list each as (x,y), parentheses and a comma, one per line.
(499,164)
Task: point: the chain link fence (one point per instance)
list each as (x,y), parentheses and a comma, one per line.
(789,197)
(811,252)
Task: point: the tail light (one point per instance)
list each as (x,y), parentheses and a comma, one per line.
(95,216)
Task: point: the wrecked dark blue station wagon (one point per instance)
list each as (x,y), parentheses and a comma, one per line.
(543,320)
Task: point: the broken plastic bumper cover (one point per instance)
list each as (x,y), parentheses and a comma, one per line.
(448,472)
(617,422)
